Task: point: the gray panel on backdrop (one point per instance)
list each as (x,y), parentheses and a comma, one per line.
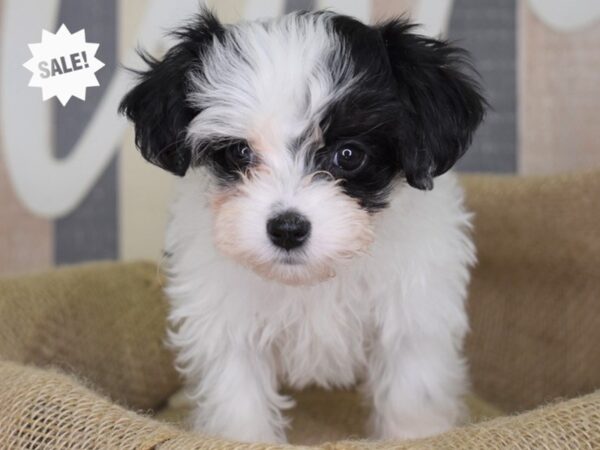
(91,230)
(487,28)
(299,5)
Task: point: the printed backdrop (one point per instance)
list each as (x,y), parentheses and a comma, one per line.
(73,188)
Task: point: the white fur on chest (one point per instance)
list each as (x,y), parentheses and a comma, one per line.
(322,333)
(312,334)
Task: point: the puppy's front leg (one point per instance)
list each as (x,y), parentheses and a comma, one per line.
(237,398)
(416,390)
(417,376)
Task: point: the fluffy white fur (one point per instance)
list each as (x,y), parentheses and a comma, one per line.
(393,318)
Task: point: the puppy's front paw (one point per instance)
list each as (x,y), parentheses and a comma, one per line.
(402,432)
(239,426)
(412,426)
(247,433)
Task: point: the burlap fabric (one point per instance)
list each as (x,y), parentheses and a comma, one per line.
(103,322)
(535,313)
(535,296)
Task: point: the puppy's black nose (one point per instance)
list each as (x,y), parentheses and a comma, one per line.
(288,230)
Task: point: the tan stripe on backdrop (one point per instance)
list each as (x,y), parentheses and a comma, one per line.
(383,9)
(143,189)
(26,241)
(559,85)
(229,11)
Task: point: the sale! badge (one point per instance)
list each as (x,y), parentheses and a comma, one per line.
(63,64)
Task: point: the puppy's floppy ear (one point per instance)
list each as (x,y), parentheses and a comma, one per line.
(444,103)
(157,105)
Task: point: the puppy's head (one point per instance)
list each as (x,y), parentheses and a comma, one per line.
(305,124)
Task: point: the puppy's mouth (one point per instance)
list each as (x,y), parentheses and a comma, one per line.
(295,268)
(291,259)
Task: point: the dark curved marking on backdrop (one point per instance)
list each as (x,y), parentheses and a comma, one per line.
(487,28)
(91,230)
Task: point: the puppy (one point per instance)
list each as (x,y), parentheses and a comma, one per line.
(307,243)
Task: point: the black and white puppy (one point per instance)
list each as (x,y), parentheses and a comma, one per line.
(307,242)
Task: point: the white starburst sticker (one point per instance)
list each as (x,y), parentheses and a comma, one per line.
(63,64)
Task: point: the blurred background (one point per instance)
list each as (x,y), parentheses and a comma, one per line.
(73,188)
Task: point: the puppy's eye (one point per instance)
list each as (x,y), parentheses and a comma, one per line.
(349,159)
(239,155)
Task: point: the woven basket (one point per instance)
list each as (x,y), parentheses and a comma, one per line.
(83,365)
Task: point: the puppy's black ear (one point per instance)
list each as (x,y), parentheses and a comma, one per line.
(444,103)
(157,105)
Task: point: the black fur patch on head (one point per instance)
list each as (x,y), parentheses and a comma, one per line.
(364,120)
(414,108)
(157,104)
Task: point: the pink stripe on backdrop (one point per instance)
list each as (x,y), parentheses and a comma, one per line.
(560,96)
(25,241)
